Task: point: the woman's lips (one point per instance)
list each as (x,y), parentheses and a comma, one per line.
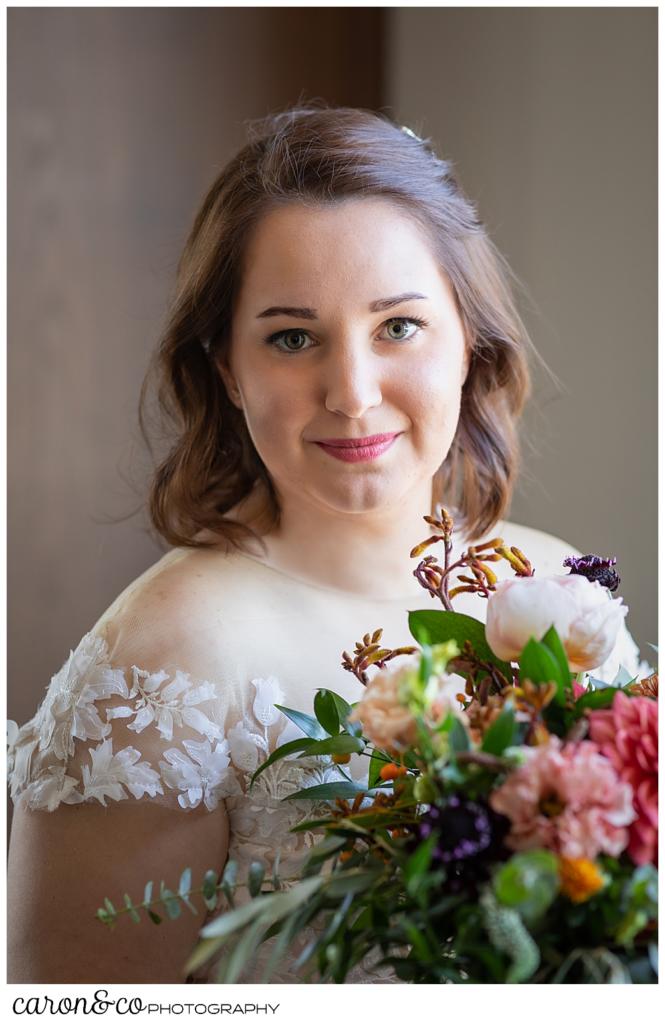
(363,449)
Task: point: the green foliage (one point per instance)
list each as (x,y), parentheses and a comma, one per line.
(502,733)
(342,744)
(552,641)
(255,877)
(639,900)
(327,791)
(210,889)
(437,627)
(508,934)
(528,883)
(307,723)
(326,711)
(596,699)
(376,762)
(170,901)
(540,665)
(458,737)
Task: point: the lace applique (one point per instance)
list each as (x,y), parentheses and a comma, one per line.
(47,767)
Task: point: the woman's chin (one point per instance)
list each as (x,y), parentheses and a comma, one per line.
(356,497)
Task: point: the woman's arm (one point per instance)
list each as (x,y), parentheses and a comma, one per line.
(62,865)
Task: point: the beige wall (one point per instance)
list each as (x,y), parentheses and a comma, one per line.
(550,118)
(119,119)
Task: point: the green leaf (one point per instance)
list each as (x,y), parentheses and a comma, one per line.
(597,698)
(309,725)
(154,917)
(241,954)
(344,709)
(418,863)
(109,906)
(528,883)
(426,666)
(133,913)
(436,627)
(458,737)
(538,664)
(326,711)
(229,879)
(210,889)
(324,849)
(352,881)
(276,883)
(255,877)
(334,745)
(327,791)
(376,762)
(292,747)
(502,732)
(552,641)
(185,883)
(147,893)
(269,908)
(170,901)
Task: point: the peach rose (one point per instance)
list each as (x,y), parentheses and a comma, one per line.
(386,722)
(584,614)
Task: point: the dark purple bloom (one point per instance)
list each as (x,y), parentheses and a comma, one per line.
(594,568)
(469,839)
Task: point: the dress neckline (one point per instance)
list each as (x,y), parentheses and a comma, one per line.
(336,591)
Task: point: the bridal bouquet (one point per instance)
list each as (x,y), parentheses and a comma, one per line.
(506,833)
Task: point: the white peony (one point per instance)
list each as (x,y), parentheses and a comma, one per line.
(584,614)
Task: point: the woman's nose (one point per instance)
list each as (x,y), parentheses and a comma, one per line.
(351,383)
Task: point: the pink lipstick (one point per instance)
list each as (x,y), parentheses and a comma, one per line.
(357,449)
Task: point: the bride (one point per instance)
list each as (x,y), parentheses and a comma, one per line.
(343,354)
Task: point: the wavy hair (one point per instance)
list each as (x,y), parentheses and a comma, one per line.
(321,153)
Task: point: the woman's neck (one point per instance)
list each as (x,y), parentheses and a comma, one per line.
(362,553)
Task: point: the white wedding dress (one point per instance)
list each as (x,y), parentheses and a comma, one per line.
(171,698)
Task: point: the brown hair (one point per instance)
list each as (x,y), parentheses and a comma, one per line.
(315,152)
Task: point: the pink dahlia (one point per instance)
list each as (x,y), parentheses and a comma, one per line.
(627,734)
(568,799)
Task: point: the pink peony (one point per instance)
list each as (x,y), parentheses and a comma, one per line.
(584,615)
(568,799)
(627,734)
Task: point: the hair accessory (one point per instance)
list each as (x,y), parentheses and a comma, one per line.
(412,134)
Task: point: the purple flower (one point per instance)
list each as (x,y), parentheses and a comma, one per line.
(469,838)
(595,569)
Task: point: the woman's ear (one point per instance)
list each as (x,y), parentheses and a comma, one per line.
(229,382)
(468,354)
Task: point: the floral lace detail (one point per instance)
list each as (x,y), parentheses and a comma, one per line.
(45,766)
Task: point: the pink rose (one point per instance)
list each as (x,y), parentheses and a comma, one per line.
(584,614)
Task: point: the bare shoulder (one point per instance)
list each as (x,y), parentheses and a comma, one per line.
(545,551)
(167,613)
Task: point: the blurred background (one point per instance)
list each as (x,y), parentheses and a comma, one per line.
(118,121)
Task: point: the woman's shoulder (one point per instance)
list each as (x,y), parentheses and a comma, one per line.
(175,609)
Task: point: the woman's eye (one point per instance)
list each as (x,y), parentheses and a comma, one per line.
(398,328)
(404,327)
(289,341)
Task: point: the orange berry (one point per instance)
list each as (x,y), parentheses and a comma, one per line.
(341,758)
(392,771)
(345,855)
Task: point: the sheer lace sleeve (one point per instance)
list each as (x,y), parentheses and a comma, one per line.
(110,732)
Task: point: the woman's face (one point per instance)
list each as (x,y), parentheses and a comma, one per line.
(345,328)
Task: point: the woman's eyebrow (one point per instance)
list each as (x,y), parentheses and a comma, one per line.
(305,313)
